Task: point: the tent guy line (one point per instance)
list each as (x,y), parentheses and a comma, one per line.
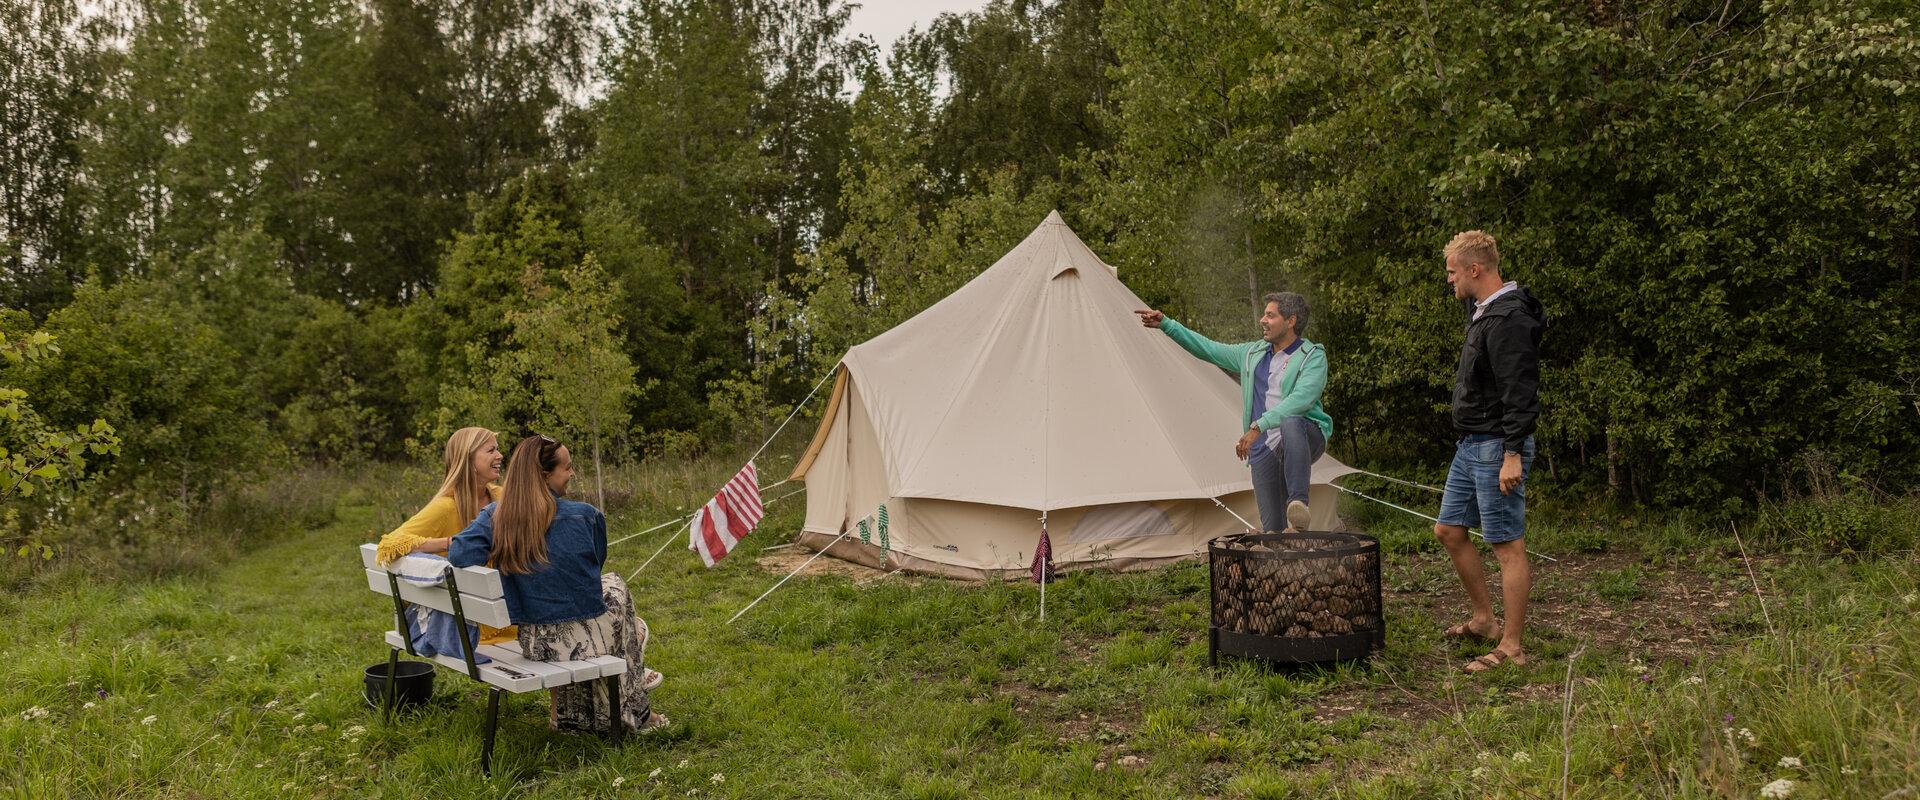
(1425,517)
(676,531)
(783,581)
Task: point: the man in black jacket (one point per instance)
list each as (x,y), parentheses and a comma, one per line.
(1496,401)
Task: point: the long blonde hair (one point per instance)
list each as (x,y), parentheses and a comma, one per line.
(469,494)
(526,506)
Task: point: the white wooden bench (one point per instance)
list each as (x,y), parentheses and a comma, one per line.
(474,594)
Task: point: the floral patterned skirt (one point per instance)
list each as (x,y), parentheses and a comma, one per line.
(618,632)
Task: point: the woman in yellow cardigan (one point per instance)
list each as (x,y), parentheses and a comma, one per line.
(473,464)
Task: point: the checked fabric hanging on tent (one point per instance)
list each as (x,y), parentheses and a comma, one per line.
(728,517)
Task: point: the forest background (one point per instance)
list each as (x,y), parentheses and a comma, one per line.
(237,238)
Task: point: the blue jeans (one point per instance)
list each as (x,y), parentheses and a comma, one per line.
(1284,475)
(1473,498)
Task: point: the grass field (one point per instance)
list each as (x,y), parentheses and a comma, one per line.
(1657,672)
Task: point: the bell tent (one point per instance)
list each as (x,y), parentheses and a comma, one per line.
(1032,389)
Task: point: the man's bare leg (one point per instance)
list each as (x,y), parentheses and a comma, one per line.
(1516,583)
(1473,576)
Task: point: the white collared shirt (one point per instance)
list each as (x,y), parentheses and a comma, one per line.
(1481,306)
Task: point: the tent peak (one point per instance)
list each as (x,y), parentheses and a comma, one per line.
(1054,218)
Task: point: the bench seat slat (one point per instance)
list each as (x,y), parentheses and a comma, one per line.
(484,610)
(567,671)
(506,676)
(479,581)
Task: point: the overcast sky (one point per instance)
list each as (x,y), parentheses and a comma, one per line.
(885,20)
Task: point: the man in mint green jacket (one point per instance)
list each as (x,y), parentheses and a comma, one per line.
(1281,377)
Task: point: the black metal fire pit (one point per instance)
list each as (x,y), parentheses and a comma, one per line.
(1295,598)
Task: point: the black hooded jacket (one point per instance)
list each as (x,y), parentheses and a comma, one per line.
(1497,387)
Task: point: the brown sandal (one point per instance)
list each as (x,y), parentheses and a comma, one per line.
(1494,659)
(1465,630)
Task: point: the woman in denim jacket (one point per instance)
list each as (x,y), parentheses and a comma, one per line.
(550,552)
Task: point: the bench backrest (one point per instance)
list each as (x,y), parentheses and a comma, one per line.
(481,598)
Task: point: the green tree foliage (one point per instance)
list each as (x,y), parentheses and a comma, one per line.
(140,353)
(32,453)
(1716,203)
(47,89)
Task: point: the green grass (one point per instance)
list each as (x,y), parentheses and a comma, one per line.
(242,680)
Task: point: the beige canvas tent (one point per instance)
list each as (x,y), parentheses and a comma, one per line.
(1032,388)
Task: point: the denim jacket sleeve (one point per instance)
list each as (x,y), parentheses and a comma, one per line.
(473,546)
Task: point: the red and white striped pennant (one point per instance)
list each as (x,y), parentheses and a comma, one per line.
(728,517)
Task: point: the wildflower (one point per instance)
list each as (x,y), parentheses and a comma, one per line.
(89,704)
(1789,762)
(619,780)
(681,765)
(1849,771)
(33,713)
(298,715)
(100,693)
(1748,736)
(1483,755)
(1910,598)
(231,659)
(1480,774)
(718,778)
(655,773)
(354,732)
(1522,757)
(271,703)
(1777,789)
(149,720)
(319,726)
(1696,680)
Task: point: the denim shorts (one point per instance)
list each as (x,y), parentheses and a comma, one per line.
(1473,498)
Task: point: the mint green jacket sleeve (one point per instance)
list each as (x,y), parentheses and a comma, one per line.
(1220,355)
(1306,391)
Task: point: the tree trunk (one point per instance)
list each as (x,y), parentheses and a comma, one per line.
(599,481)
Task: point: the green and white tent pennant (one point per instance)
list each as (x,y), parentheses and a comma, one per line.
(878,519)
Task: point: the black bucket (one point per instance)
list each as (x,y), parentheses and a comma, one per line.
(413,684)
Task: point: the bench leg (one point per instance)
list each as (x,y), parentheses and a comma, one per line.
(486,741)
(613,706)
(393,666)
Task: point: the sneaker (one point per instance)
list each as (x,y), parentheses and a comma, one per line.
(1297,516)
(650,680)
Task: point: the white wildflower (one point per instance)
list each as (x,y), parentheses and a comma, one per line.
(1910,598)
(33,713)
(261,765)
(354,732)
(1748,737)
(319,726)
(1789,762)
(231,659)
(1777,789)
(89,704)
(681,765)
(271,703)
(1480,774)
(1483,756)
(297,716)
(619,780)
(1696,680)
(149,720)
(1522,757)
(718,778)
(655,773)
(1849,771)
